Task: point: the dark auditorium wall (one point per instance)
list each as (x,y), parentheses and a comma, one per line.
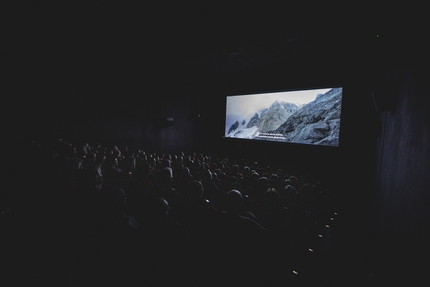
(144,125)
(133,120)
(179,134)
(403,162)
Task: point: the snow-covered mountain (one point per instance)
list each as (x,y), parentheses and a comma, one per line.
(318,122)
(240,130)
(273,117)
(264,120)
(253,121)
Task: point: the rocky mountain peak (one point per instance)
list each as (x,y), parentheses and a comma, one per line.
(253,121)
(275,105)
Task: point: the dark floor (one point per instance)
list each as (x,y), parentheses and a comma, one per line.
(351,251)
(346,255)
(356,253)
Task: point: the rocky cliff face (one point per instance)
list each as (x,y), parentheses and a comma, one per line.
(318,122)
(253,121)
(290,107)
(233,127)
(273,117)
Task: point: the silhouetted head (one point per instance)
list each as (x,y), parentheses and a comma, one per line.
(159,209)
(116,200)
(215,177)
(254,177)
(235,169)
(288,182)
(262,183)
(233,201)
(274,179)
(146,168)
(185,173)
(294,181)
(290,192)
(271,197)
(166,175)
(207,176)
(166,163)
(246,170)
(194,190)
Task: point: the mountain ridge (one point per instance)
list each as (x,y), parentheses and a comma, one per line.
(317,122)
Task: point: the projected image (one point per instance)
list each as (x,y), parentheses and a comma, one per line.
(304,116)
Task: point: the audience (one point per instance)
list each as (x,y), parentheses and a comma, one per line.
(183,212)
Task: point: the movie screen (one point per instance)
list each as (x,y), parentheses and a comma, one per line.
(309,116)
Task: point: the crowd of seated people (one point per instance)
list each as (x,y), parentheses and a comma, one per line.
(108,212)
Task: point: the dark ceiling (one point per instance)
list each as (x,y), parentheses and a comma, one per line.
(93,44)
(66,60)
